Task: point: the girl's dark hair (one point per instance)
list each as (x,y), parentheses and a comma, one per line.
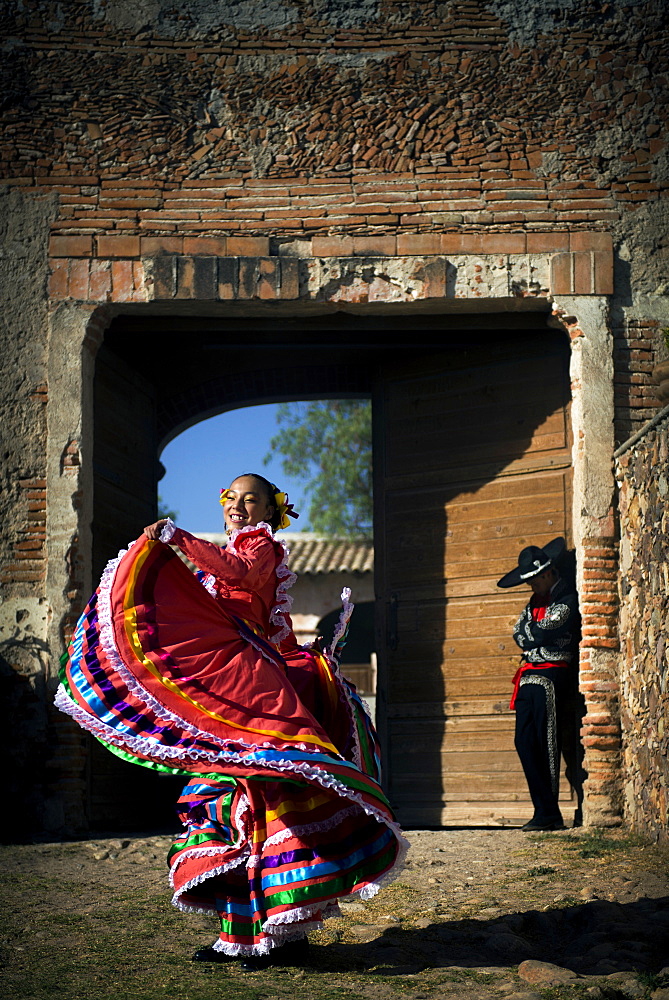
(270,490)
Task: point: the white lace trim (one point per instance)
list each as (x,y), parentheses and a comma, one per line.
(209,584)
(282,925)
(186,908)
(151,748)
(286,579)
(231,950)
(280,930)
(368,711)
(344,618)
(369,891)
(205,852)
(344,692)
(284,601)
(139,746)
(247,529)
(243,806)
(277,923)
(307,828)
(366,892)
(342,687)
(264,946)
(198,880)
(168,530)
(241,950)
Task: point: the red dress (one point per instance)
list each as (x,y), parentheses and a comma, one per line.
(283,812)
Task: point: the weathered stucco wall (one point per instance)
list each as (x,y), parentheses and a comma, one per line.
(643,476)
(593,525)
(24,611)
(25,222)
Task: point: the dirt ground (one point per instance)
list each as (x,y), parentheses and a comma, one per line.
(475,914)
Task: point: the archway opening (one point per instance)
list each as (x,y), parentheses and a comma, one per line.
(158,374)
(204,458)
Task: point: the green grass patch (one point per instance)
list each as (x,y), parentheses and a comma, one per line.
(567,903)
(596,844)
(472,976)
(593,843)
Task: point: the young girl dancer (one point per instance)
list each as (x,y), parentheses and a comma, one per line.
(201,675)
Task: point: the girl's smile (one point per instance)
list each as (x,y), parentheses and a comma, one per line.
(244,504)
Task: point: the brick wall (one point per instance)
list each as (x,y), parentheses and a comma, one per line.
(637,348)
(643,476)
(407,118)
(599,684)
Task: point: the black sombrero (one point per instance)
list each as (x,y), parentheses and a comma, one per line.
(533,561)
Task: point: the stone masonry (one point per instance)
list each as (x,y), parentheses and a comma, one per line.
(643,481)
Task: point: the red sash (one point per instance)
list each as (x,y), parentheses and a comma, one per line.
(537,614)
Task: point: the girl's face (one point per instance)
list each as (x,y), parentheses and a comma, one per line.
(245,503)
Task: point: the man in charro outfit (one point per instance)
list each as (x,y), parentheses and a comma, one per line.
(547,633)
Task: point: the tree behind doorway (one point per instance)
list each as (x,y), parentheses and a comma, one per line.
(329,443)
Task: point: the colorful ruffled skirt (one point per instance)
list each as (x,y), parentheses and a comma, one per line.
(283,812)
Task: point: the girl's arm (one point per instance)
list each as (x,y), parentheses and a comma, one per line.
(249,567)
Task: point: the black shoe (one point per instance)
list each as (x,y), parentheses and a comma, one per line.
(210,954)
(536,825)
(290,953)
(255,963)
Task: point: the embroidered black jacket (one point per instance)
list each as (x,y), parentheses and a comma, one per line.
(554,638)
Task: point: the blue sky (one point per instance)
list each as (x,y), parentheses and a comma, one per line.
(210,455)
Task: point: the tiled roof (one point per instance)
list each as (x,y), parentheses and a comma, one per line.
(313,553)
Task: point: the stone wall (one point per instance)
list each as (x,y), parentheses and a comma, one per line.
(24,610)
(637,348)
(643,476)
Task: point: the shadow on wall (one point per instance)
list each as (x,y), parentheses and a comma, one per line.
(573,752)
(23,742)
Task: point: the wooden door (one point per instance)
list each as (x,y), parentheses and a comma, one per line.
(125,466)
(122,795)
(472,463)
